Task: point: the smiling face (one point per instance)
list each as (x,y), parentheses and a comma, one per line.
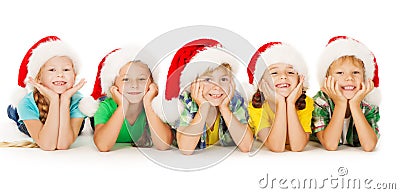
(348,71)
(284,78)
(217,85)
(57,74)
(133,80)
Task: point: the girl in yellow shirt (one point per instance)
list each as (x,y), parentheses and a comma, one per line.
(280,112)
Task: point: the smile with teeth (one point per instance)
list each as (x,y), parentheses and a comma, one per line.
(348,88)
(59,83)
(215,96)
(283,85)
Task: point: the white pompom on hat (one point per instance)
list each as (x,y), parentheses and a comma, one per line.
(340,46)
(43,50)
(273,53)
(108,70)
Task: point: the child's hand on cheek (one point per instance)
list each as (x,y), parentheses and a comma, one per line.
(228,97)
(196,92)
(116,95)
(363,92)
(296,93)
(270,94)
(151,93)
(70,92)
(331,88)
(48,93)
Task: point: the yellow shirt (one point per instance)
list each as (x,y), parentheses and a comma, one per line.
(260,118)
(212,134)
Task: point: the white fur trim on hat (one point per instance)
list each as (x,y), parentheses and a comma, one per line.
(113,64)
(345,47)
(281,53)
(340,46)
(46,51)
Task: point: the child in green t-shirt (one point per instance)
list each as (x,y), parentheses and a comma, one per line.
(126,114)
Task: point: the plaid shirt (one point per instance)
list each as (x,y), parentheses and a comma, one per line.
(190,108)
(323,111)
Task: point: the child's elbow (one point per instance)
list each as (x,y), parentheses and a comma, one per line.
(162,147)
(277,149)
(63,147)
(297,148)
(245,149)
(103,148)
(369,148)
(47,147)
(332,147)
(186,152)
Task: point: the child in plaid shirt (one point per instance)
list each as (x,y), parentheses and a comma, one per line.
(212,111)
(345,111)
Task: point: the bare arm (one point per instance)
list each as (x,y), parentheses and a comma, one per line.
(366,134)
(241,133)
(276,139)
(161,133)
(330,137)
(298,139)
(46,135)
(105,135)
(69,128)
(188,136)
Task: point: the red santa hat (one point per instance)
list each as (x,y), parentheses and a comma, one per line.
(107,70)
(345,46)
(43,50)
(272,53)
(191,60)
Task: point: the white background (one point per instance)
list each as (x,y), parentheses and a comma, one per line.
(95,28)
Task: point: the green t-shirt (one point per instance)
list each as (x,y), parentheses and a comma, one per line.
(137,133)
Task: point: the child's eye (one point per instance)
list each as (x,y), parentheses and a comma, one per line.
(142,79)
(274,73)
(224,79)
(207,79)
(356,72)
(339,72)
(52,69)
(291,72)
(125,79)
(67,69)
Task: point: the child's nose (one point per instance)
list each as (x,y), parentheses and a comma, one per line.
(134,84)
(349,77)
(60,74)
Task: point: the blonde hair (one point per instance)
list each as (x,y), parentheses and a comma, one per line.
(19,144)
(43,105)
(350,58)
(41,101)
(224,66)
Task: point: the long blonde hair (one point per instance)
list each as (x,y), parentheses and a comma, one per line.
(19,144)
(43,105)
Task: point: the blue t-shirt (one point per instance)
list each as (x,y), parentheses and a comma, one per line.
(28,110)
